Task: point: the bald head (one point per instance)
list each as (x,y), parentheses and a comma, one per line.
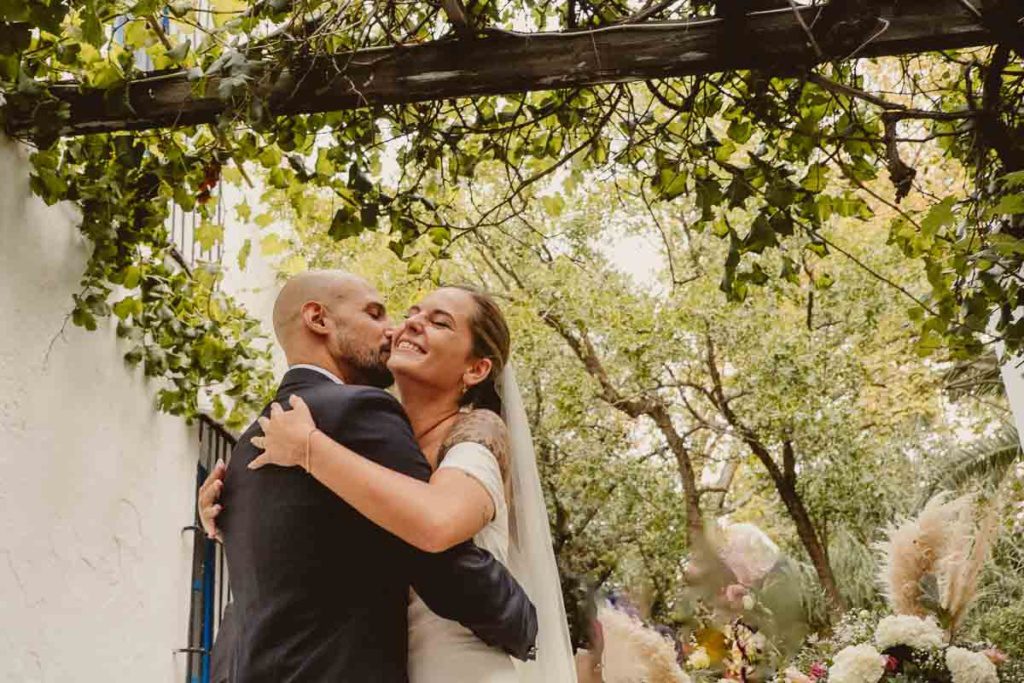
(323,286)
(337,321)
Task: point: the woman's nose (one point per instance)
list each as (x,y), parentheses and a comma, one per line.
(414,323)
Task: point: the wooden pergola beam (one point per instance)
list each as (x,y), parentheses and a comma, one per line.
(775,41)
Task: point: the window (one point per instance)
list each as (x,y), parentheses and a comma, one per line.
(209,591)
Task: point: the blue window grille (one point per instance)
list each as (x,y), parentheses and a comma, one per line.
(209,590)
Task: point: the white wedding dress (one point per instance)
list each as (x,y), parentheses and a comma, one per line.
(443,651)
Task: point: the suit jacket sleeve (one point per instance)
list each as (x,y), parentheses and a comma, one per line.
(464,583)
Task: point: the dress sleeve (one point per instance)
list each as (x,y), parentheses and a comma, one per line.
(478,462)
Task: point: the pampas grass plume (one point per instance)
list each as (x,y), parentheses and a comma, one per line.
(634,653)
(946,542)
(961,569)
(914,548)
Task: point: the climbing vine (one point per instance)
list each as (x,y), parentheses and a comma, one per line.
(175,321)
(752,157)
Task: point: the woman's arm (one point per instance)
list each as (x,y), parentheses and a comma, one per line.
(432,516)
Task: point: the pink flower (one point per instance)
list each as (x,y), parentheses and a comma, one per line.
(891,664)
(734,595)
(995,655)
(818,671)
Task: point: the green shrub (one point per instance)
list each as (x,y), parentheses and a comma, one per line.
(1004,627)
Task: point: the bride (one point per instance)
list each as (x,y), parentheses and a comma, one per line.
(450,363)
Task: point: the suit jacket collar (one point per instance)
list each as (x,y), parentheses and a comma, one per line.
(299,377)
(316,368)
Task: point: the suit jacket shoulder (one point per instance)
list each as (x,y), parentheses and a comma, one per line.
(371,422)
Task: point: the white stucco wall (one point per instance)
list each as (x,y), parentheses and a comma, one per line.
(95,485)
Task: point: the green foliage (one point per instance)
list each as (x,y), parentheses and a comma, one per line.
(985,461)
(770,162)
(176,324)
(1005,625)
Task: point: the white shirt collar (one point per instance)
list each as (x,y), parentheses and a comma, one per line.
(316,368)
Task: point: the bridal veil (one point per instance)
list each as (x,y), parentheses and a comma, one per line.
(531,556)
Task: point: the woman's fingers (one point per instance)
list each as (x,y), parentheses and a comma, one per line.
(210,491)
(259,461)
(276,409)
(300,407)
(216,474)
(210,494)
(259,442)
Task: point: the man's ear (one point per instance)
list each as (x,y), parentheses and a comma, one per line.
(477,372)
(314,317)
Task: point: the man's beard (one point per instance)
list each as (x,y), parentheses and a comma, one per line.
(368,366)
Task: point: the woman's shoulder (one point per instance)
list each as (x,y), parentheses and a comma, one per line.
(481,429)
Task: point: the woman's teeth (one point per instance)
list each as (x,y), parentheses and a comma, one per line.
(409,346)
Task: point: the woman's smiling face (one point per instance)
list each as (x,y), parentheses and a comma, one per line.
(435,343)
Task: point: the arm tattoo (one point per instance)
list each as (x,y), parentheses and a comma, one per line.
(485,428)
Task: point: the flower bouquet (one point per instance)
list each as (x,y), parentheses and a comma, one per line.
(930,568)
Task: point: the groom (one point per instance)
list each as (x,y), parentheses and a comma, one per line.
(320,592)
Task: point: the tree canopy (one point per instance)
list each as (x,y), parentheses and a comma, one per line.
(766,153)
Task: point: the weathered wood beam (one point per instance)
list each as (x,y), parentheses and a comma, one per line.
(505,63)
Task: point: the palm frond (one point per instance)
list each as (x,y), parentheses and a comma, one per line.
(977,377)
(984,461)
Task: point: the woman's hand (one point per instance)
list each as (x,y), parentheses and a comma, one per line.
(285,435)
(209,494)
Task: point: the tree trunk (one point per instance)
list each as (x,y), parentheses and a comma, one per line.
(784,479)
(816,550)
(694,516)
(785,485)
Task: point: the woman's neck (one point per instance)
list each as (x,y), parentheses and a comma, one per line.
(431,414)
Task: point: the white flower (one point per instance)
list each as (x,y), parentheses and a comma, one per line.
(905,629)
(699,659)
(857,664)
(794,675)
(970,667)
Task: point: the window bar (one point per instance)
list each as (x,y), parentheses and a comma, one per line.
(220,220)
(192,262)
